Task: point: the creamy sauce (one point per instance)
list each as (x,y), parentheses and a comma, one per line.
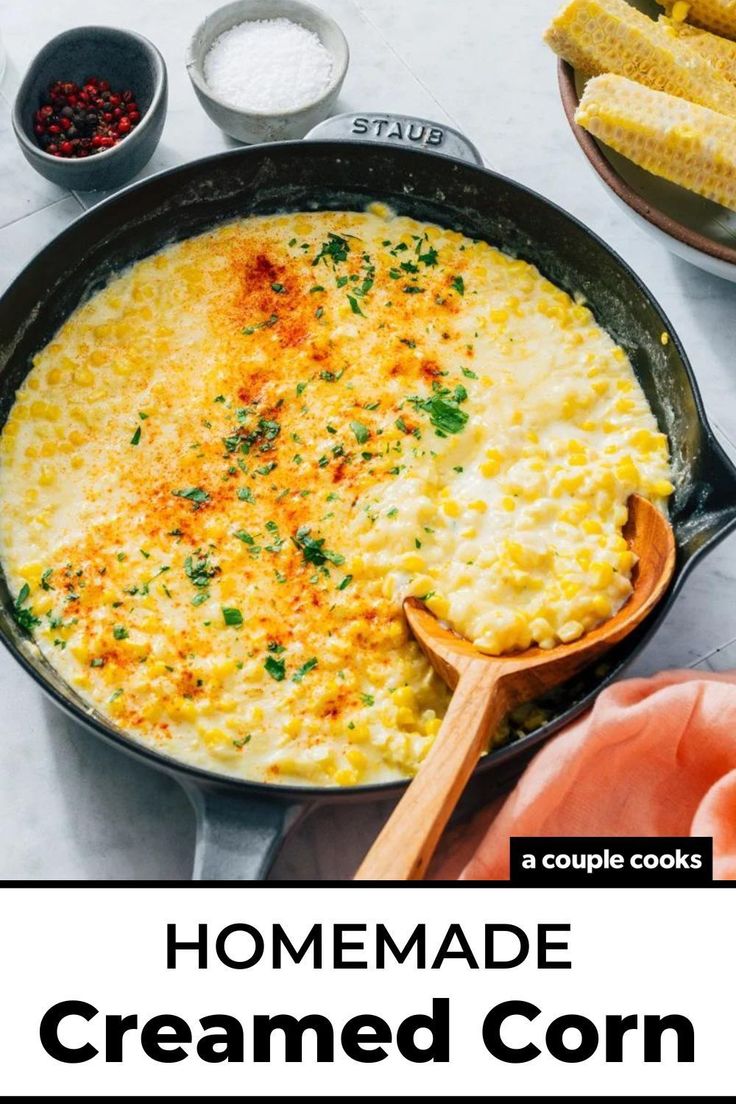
(227,469)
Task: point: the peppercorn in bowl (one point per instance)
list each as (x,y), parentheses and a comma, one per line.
(90,110)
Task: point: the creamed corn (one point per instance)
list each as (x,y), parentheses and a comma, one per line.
(229,466)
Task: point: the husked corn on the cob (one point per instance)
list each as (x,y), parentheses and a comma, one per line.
(609,36)
(718,16)
(720,52)
(680,141)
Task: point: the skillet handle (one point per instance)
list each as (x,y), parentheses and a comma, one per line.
(238,838)
(391,129)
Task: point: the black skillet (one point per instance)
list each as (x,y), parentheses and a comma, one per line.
(242,824)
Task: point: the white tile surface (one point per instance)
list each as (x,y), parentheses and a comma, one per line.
(20,240)
(70,808)
(22,191)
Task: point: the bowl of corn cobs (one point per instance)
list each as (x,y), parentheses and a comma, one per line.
(649,89)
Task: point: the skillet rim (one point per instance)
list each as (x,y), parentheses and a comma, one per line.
(308,795)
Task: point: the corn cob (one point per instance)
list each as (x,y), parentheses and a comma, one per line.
(720,52)
(609,36)
(718,16)
(683,142)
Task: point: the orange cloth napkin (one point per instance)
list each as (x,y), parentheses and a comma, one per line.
(654,757)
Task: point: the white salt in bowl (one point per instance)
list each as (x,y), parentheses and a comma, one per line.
(264,126)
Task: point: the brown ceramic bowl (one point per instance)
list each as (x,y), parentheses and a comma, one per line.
(694,228)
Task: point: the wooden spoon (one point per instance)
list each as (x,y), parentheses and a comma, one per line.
(486,687)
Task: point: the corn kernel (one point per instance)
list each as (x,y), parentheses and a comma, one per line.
(404,696)
(345,777)
(439,605)
(412,561)
(571,630)
(603,573)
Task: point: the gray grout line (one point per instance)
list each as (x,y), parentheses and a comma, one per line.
(37,211)
(708,655)
(390,46)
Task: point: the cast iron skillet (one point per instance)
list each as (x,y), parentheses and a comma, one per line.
(241,824)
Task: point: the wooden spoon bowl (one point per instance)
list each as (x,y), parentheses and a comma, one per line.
(486,687)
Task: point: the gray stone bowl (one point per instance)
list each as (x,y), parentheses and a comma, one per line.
(255,126)
(124,58)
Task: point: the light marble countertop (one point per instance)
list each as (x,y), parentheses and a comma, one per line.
(73,808)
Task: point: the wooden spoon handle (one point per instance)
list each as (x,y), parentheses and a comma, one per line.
(405,846)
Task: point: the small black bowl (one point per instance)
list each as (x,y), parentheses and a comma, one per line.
(126,60)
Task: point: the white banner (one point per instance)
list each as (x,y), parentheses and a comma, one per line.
(500,992)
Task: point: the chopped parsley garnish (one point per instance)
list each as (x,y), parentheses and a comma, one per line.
(468,374)
(135,439)
(199,570)
(198,599)
(232,616)
(429,258)
(120,632)
(276,668)
(271,321)
(362,433)
(367,699)
(243,740)
(313,549)
(24,616)
(195,495)
(413,289)
(335,249)
(45,584)
(355,305)
(458,284)
(444,410)
(245,494)
(246,538)
(278,288)
(300,389)
(304,669)
(345,582)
